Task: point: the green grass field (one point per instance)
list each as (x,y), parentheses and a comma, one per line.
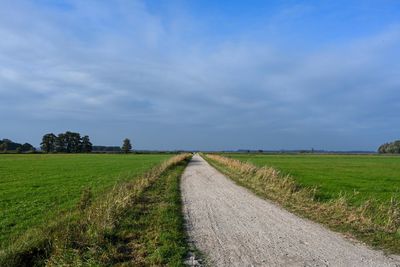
(35,188)
(370,176)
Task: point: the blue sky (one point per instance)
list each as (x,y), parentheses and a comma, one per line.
(202,74)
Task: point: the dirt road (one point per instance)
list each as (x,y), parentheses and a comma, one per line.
(233,227)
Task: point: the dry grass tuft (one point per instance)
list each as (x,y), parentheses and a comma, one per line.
(376,224)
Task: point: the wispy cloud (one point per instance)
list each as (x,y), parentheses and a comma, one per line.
(93,66)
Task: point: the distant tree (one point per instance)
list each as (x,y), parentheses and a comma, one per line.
(4,146)
(48,143)
(393,147)
(26,147)
(61,143)
(86,145)
(69,142)
(383,148)
(126,146)
(7,144)
(74,142)
(397,145)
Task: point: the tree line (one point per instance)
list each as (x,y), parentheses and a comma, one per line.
(8,145)
(68,142)
(393,148)
(71,142)
(106,149)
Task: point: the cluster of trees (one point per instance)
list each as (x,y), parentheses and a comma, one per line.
(393,147)
(68,142)
(8,145)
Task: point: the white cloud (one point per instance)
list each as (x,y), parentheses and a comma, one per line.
(117,61)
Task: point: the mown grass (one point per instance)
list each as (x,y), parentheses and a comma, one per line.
(99,231)
(376,222)
(360,177)
(36,188)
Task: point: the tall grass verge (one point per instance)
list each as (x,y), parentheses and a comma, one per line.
(377,224)
(82,237)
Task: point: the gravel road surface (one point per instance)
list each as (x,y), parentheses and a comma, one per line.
(233,227)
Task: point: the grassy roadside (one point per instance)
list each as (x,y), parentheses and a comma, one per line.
(377,224)
(113,228)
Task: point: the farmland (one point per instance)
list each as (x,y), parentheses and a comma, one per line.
(360,177)
(36,188)
(111,209)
